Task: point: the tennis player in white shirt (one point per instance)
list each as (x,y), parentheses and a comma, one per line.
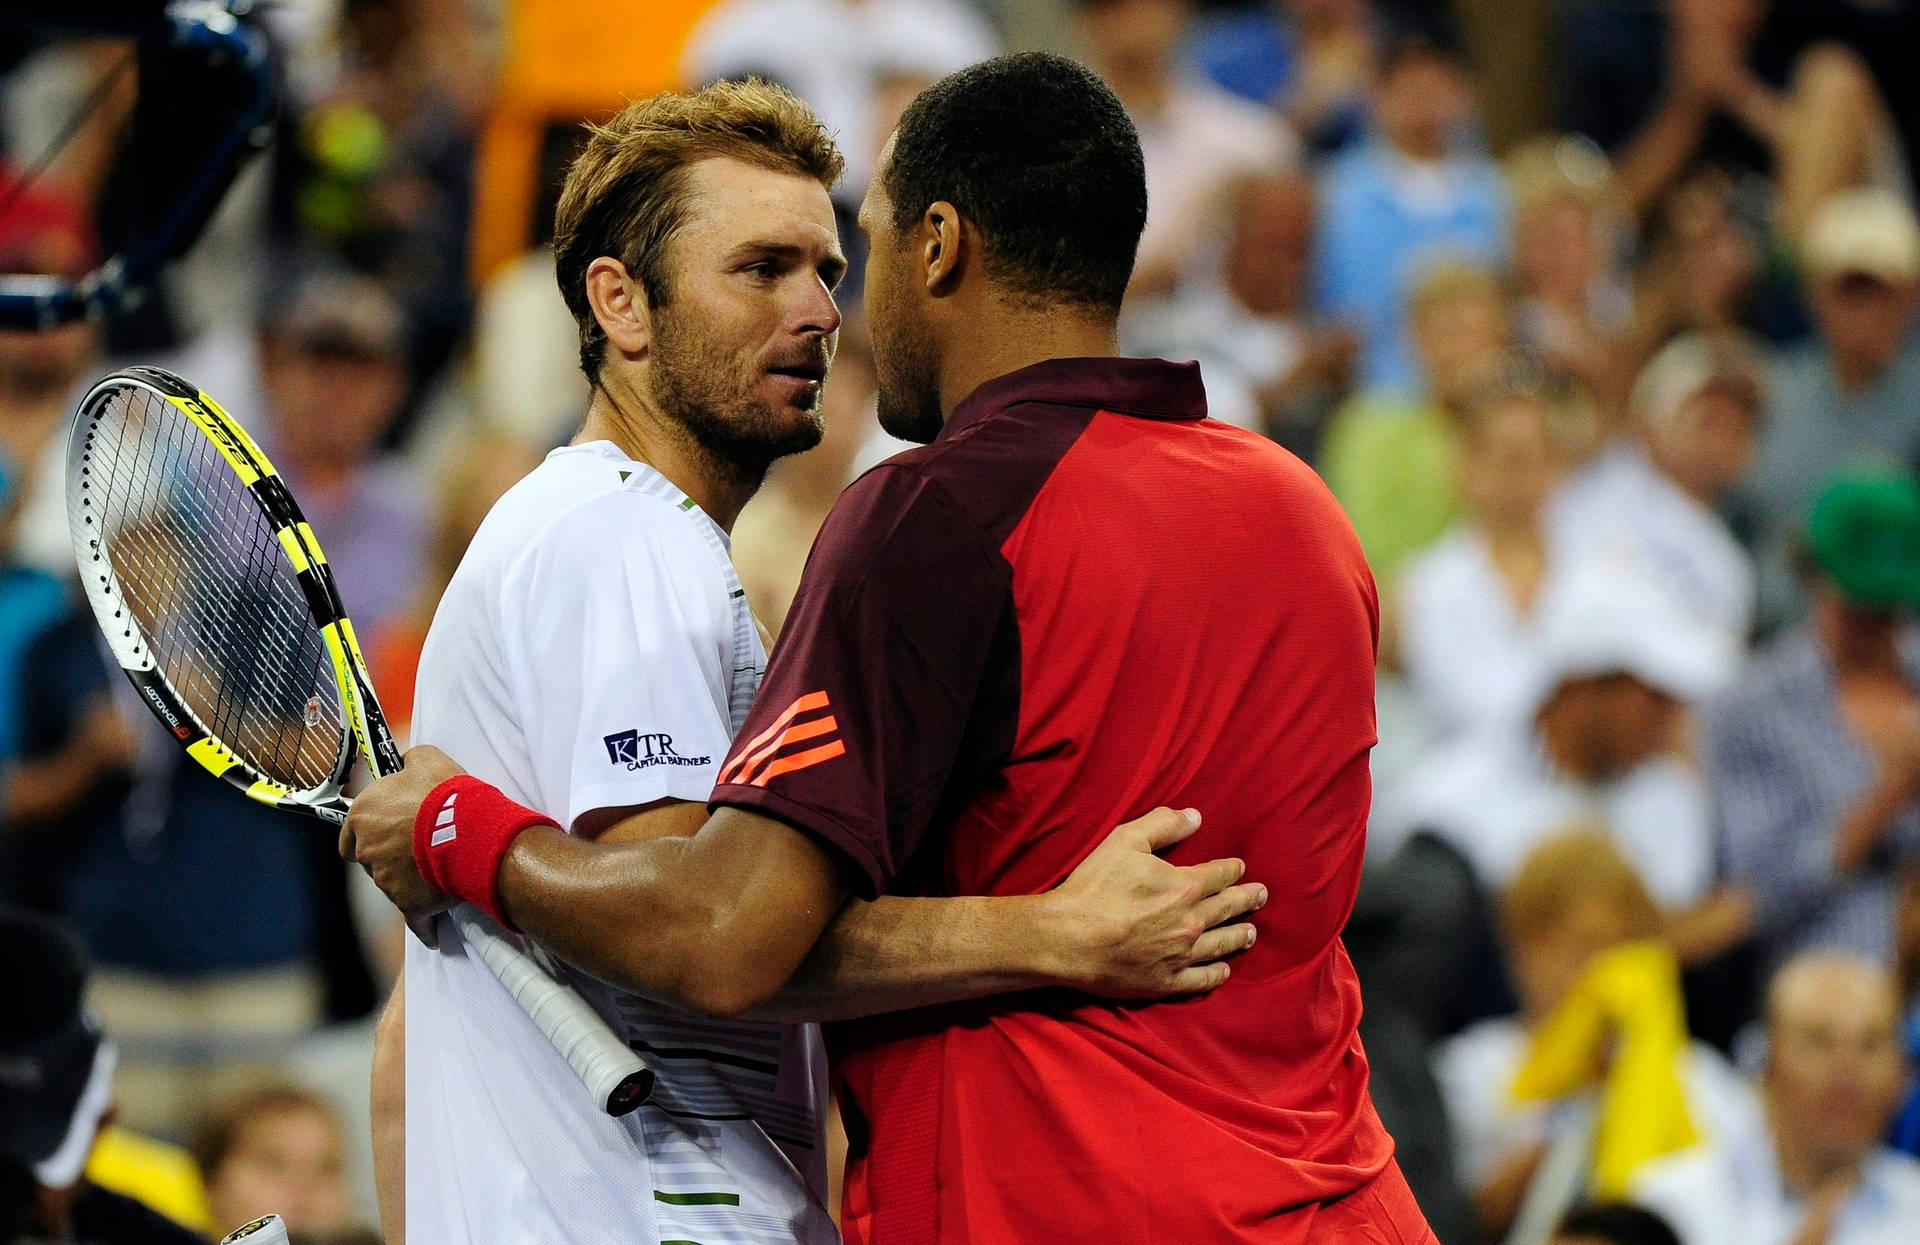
(593,656)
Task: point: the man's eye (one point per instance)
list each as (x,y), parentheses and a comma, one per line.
(766,268)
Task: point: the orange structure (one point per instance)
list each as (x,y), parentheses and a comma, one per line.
(564,60)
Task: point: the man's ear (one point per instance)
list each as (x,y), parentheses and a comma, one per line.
(619,303)
(944,242)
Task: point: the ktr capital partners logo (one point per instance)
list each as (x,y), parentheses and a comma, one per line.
(640,751)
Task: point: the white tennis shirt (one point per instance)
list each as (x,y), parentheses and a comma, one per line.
(594,650)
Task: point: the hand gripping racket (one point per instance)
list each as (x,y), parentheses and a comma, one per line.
(217,602)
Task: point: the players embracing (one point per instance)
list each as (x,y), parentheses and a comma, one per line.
(594,657)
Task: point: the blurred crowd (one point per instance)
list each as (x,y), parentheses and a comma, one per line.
(1600,317)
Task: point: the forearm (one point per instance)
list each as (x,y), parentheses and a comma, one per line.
(715,923)
(1660,151)
(389,1109)
(37,790)
(1867,824)
(894,954)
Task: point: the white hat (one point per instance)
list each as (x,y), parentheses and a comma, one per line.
(1685,366)
(1605,616)
(1868,231)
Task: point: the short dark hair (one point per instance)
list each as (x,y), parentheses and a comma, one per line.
(1620,1223)
(1038,153)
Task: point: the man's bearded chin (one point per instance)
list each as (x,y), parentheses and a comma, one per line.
(699,387)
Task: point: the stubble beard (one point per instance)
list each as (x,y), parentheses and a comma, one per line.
(702,389)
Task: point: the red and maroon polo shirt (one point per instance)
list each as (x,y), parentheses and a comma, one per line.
(1082,600)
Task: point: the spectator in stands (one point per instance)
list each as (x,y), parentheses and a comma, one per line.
(43,232)
(378,168)
(1653,493)
(834,54)
(65,750)
(1390,458)
(1413,193)
(1620,664)
(1614,1223)
(1572,900)
(1269,365)
(1906,936)
(1196,138)
(1697,267)
(1311,59)
(1572,304)
(54,1099)
(273,1149)
(1464,619)
(334,374)
(1817,1171)
(1815,757)
(210,912)
(1854,394)
(1815,120)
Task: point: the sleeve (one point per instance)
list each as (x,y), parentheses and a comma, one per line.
(1773,834)
(617,631)
(882,686)
(62,673)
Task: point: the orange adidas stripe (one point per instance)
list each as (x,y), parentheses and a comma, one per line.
(799,760)
(741,759)
(792,735)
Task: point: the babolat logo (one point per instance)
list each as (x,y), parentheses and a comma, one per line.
(637,751)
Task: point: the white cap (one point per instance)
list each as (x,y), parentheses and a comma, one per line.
(1869,231)
(1605,616)
(62,1168)
(1685,366)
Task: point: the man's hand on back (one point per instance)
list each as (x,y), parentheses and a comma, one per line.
(1128,925)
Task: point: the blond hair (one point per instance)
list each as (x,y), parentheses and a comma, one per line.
(625,193)
(1575,864)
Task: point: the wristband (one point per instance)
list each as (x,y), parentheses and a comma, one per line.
(460,836)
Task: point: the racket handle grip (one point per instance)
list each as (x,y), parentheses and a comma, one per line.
(267,1230)
(618,1079)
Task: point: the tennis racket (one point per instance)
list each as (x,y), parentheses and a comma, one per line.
(216,600)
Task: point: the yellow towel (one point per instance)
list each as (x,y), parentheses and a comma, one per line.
(163,1177)
(1622,1028)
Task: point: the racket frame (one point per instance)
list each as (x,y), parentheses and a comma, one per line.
(366,726)
(619,1080)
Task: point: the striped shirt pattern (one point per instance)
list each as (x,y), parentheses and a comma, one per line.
(1786,771)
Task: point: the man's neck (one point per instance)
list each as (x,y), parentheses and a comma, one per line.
(1857,371)
(646,435)
(1022,338)
(1803,1171)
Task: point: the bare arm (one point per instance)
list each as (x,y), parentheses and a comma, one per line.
(47,786)
(725,919)
(389,1103)
(1125,924)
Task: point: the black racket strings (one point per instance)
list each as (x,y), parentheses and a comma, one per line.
(217,602)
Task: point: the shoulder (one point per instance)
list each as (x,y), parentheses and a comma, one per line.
(1724,1097)
(1899,1175)
(1449,563)
(1226,120)
(1480,1057)
(1687,1180)
(1780,671)
(580,509)
(904,505)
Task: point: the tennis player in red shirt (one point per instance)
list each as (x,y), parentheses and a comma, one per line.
(1080,598)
